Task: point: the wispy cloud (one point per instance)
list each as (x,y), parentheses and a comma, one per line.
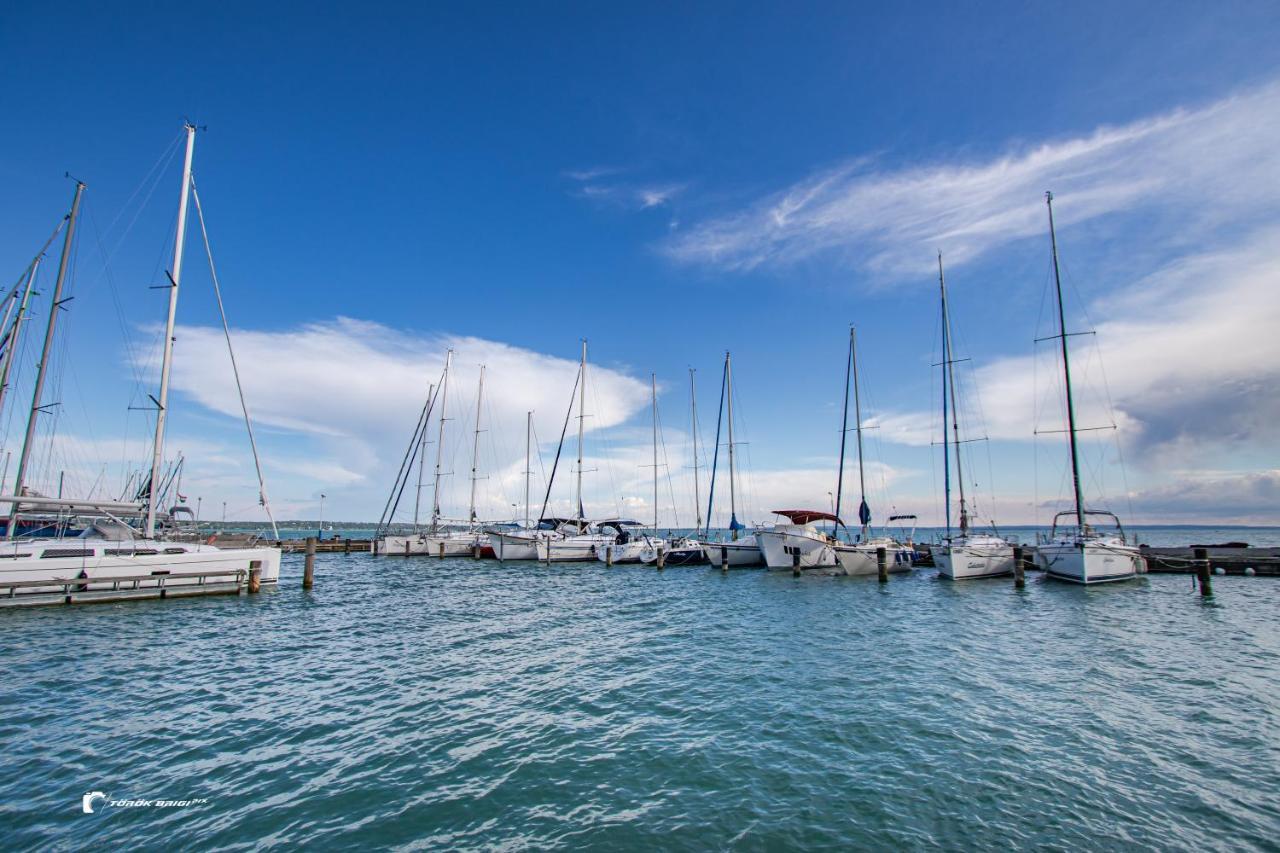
(604,186)
(1220,157)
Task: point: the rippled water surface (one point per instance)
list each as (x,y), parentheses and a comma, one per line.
(421,703)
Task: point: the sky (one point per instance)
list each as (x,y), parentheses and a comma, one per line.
(670,182)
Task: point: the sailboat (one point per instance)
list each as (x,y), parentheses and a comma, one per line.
(441,539)
(630,546)
(971,554)
(509,542)
(110,548)
(862,557)
(738,551)
(573,540)
(1081,553)
(683,550)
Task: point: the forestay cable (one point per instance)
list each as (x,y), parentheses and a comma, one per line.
(226,330)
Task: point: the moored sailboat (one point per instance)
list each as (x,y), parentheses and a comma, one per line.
(970,554)
(1081,553)
(739,551)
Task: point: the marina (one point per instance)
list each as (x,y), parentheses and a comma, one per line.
(601,427)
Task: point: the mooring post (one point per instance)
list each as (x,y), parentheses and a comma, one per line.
(1019,569)
(795,563)
(608,555)
(346,545)
(475,551)
(1203,573)
(882,564)
(406,547)
(442,549)
(724,558)
(309,568)
(662,559)
(255,576)
(374,546)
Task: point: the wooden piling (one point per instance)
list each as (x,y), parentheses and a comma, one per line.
(475,551)
(882,564)
(662,559)
(373,546)
(795,563)
(1019,568)
(724,558)
(442,549)
(309,567)
(255,576)
(608,555)
(346,545)
(1203,573)
(406,547)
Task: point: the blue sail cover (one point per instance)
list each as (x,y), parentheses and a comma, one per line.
(864,514)
(734,524)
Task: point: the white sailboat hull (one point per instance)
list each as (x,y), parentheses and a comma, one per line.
(429,546)
(627,552)
(514,546)
(965,560)
(781,548)
(740,554)
(571,549)
(863,558)
(1091,561)
(100,561)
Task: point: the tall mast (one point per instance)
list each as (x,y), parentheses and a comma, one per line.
(55,306)
(475,449)
(653,390)
(582,402)
(733,496)
(1066,370)
(11,347)
(422,463)
(444,398)
(844,424)
(949,383)
(864,512)
(166,363)
(693,419)
(528,462)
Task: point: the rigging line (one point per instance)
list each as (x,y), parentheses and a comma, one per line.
(666,461)
(235,370)
(406,463)
(134,364)
(560,447)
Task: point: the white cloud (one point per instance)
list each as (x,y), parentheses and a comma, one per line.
(335,404)
(1219,157)
(1186,362)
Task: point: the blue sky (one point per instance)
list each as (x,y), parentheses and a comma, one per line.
(668,182)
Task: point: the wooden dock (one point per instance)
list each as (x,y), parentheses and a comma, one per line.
(328,546)
(1225,560)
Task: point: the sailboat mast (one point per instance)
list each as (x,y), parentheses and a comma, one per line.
(11,348)
(582,404)
(949,382)
(444,399)
(475,449)
(653,391)
(693,424)
(55,308)
(844,424)
(863,514)
(528,462)
(166,363)
(733,493)
(422,463)
(1066,370)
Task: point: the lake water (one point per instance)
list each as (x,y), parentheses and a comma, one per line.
(443,704)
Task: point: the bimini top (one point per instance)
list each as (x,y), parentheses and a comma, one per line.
(619,523)
(806,516)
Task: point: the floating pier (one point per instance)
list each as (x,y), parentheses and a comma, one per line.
(125,587)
